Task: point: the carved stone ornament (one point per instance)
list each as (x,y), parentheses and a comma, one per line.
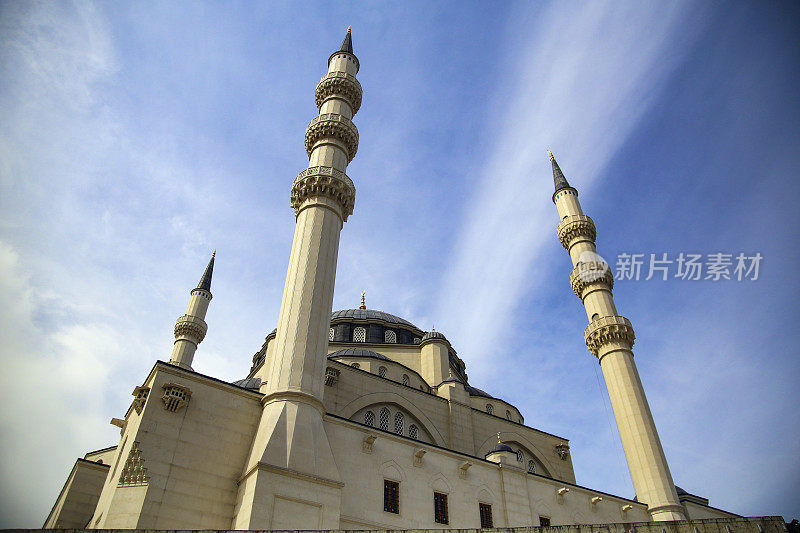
(366,444)
(591,274)
(576,228)
(140,397)
(341,85)
(563,451)
(331,376)
(191,328)
(324,181)
(333,126)
(607,330)
(134,472)
(175,396)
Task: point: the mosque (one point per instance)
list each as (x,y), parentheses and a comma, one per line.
(359,419)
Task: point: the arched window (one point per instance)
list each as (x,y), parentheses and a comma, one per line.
(384,419)
(369,418)
(382,371)
(356,365)
(412,431)
(398,423)
(489,408)
(330,334)
(508,414)
(531,467)
(390,337)
(405,379)
(520,458)
(359,334)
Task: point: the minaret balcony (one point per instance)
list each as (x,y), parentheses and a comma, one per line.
(591,275)
(329,127)
(324,181)
(191,328)
(339,85)
(575,228)
(609,330)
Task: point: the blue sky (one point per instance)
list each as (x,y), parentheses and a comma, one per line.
(137,137)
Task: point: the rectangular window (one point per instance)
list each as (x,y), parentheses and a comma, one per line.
(391,496)
(486,514)
(544,521)
(440,508)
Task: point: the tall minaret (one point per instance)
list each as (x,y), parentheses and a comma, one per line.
(190,329)
(291,447)
(610,337)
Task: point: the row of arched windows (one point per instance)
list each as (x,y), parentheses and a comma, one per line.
(360,335)
(490,410)
(382,373)
(383,422)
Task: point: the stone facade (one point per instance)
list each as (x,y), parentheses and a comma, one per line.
(358,419)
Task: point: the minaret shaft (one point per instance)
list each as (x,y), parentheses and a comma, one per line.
(191,328)
(610,337)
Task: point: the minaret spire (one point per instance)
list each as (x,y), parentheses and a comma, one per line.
(558,177)
(347,42)
(610,338)
(191,328)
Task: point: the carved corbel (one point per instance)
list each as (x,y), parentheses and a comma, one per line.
(331,376)
(463,467)
(418,456)
(175,396)
(366,444)
(595,501)
(560,494)
(563,451)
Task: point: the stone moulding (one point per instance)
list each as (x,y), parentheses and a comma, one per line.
(175,396)
(591,273)
(332,125)
(190,328)
(576,228)
(606,330)
(339,85)
(324,181)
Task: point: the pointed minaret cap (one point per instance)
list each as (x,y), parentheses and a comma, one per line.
(347,48)
(558,177)
(205,281)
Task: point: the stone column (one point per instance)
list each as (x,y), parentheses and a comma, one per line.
(610,338)
(291,480)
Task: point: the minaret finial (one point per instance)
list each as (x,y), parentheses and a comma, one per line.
(558,177)
(498,438)
(433,327)
(363,301)
(205,281)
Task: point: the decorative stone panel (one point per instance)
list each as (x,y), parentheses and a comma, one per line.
(575,228)
(191,328)
(340,85)
(607,330)
(134,472)
(333,126)
(563,451)
(140,397)
(175,396)
(324,181)
(591,274)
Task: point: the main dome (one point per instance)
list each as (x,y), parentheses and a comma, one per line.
(371,314)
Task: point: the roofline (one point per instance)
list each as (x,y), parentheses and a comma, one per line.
(100,450)
(518,424)
(69,477)
(387,379)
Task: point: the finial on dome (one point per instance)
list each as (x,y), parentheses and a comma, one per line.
(498,439)
(551,155)
(433,327)
(363,302)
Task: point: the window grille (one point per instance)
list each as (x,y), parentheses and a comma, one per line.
(544,521)
(412,431)
(508,414)
(520,458)
(330,334)
(382,371)
(390,337)
(384,419)
(369,418)
(405,380)
(489,408)
(359,334)
(440,508)
(531,467)
(398,423)
(391,496)
(486,514)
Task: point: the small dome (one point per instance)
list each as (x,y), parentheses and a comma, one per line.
(501,447)
(452,379)
(357,352)
(433,335)
(248,383)
(477,392)
(371,314)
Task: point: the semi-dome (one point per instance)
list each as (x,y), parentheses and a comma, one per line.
(248,383)
(357,352)
(371,314)
(501,447)
(473,391)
